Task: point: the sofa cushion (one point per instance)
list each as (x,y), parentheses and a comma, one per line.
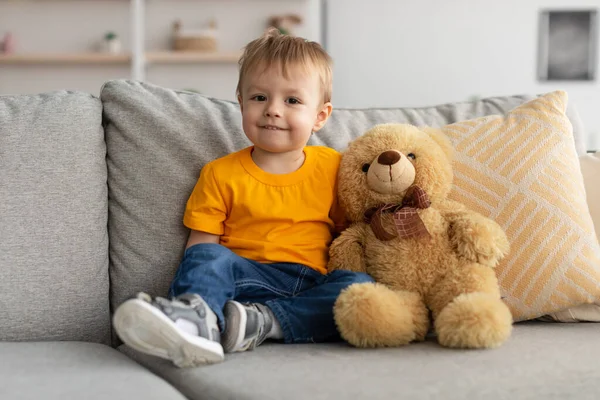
(347,124)
(158,139)
(539,361)
(521,170)
(590,168)
(53,210)
(75,370)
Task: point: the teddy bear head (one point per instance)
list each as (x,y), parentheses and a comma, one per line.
(387,162)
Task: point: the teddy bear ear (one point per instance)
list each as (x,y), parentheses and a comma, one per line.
(442,140)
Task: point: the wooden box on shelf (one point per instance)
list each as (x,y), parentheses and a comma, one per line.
(201,41)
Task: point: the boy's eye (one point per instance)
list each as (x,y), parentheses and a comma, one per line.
(293,100)
(259,97)
(365,167)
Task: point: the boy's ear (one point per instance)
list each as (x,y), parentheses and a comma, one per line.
(239,98)
(323,116)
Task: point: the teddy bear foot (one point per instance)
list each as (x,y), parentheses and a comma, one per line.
(372,315)
(474,320)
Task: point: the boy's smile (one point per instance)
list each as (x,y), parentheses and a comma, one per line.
(271,128)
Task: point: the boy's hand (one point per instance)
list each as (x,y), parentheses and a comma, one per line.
(346,251)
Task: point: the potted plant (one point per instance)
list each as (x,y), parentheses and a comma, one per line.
(112,43)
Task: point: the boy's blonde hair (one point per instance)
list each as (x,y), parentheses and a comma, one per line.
(285,50)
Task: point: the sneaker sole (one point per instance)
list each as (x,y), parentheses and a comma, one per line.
(146,329)
(235,315)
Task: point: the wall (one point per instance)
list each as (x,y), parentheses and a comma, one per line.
(239,22)
(63,26)
(60,27)
(426,52)
(387,53)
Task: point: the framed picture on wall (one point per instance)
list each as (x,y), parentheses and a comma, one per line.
(568,45)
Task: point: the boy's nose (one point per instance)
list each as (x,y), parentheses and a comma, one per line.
(272,111)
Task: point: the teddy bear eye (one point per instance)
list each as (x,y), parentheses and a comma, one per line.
(411,155)
(365,167)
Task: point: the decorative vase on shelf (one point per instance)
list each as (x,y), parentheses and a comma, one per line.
(284,23)
(111,43)
(7,45)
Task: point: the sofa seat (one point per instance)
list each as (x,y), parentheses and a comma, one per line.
(540,361)
(75,370)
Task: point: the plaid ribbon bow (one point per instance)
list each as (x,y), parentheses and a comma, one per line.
(406,216)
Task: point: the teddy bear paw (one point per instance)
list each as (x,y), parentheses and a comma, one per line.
(474,320)
(372,315)
(483,243)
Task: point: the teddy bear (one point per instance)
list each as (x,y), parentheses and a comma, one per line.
(432,259)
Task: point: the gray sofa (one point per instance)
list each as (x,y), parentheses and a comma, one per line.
(92,193)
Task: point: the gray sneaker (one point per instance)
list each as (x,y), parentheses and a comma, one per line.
(148,326)
(246,326)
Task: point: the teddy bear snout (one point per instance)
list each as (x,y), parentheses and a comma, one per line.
(389,157)
(391,172)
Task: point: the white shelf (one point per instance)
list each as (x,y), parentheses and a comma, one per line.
(158,57)
(136,56)
(182,57)
(67,58)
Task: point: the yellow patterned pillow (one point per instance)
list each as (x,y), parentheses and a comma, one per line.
(522,170)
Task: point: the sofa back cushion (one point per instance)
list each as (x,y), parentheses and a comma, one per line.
(53,213)
(158,140)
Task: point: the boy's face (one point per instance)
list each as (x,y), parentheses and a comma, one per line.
(278,113)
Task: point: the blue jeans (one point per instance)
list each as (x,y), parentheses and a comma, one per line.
(301,298)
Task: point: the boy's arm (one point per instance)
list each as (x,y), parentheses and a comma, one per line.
(201,237)
(206,210)
(336,213)
(347,252)
(339,220)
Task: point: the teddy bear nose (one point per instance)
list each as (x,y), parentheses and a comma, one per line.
(389,157)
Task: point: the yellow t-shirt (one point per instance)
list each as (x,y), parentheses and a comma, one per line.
(268,217)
